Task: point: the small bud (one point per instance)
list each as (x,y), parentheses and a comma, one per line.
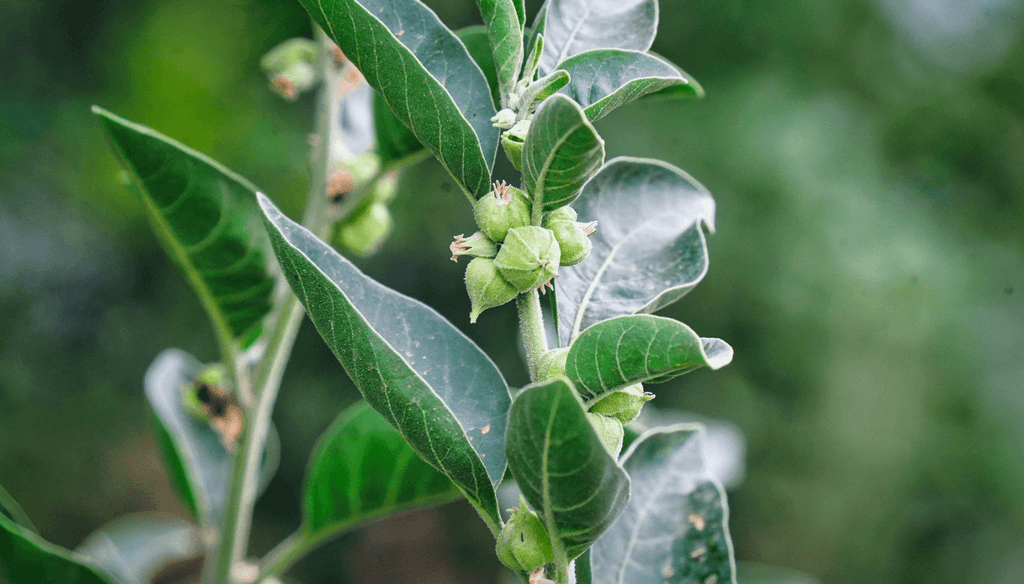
(625,404)
(486,287)
(512,141)
(504,208)
(477,245)
(523,544)
(609,430)
(364,234)
(529,257)
(291,67)
(551,364)
(504,119)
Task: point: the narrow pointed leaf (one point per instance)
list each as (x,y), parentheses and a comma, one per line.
(561,152)
(562,468)
(425,75)
(206,220)
(135,548)
(395,140)
(427,379)
(505,33)
(604,79)
(631,349)
(675,528)
(363,469)
(199,464)
(649,249)
(544,88)
(574,26)
(26,558)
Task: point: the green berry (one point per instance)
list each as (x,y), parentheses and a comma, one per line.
(609,430)
(551,364)
(523,544)
(572,236)
(486,287)
(560,214)
(529,257)
(504,208)
(625,404)
(365,234)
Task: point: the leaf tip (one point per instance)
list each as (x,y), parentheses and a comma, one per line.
(717,353)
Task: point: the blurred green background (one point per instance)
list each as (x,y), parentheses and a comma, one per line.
(867,158)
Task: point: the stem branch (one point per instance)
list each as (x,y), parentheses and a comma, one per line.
(531,322)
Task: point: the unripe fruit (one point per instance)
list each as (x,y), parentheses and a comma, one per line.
(486,287)
(625,404)
(365,234)
(609,430)
(566,213)
(477,245)
(291,67)
(386,188)
(523,544)
(551,364)
(504,208)
(529,257)
(572,236)
(512,141)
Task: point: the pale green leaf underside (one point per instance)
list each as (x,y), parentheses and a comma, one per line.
(675,528)
(135,548)
(205,217)
(604,79)
(561,466)
(425,75)
(561,152)
(574,26)
(26,558)
(363,469)
(649,249)
(505,33)
(631,349)
(427,379)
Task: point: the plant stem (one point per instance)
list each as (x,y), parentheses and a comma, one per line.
(531,323)
(245,469)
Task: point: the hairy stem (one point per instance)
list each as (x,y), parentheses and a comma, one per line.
(531,323)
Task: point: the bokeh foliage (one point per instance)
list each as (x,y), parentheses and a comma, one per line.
(865,158)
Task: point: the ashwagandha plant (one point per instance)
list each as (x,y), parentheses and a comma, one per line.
(612,241)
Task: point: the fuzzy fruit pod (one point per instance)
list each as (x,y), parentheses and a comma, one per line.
(366,233)
(573,238)
(291,67)
(625,404)
(477,245)
(486,287)
(523,544)
(529,257)
(504,208)
(512,142)
(551,364)
(609,430)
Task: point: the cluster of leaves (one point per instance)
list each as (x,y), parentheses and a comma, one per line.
(439,420)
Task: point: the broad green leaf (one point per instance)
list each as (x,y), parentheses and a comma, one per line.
(135,548)
(205,217)
(10,507)
(199,464)
(562,468)
(604,79)
(574,26)
(26,558)
(561,152)
(505,33)
(675,528)
(363,469)
(428,380)
(395,140)
(425,74)
(630,349)
(649,249)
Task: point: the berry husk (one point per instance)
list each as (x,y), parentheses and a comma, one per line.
(512,142)
(486,287)
(504,208)
(366,232)
(523,544)
(529,257)
(477,245)
(609,430)
(625,404)
(573,238)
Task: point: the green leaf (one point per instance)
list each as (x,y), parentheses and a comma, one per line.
(26,558)
(10,507)
(756,573)
(135,548)
(562,468)
(395,140)
(561,152)
(630,349)
(544,88)
(363,469)
(675,527)
(649,249)
(505,33)
(604,79)
(206,220)
(574,26)
(425,74)
(428,380)
(199,464)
